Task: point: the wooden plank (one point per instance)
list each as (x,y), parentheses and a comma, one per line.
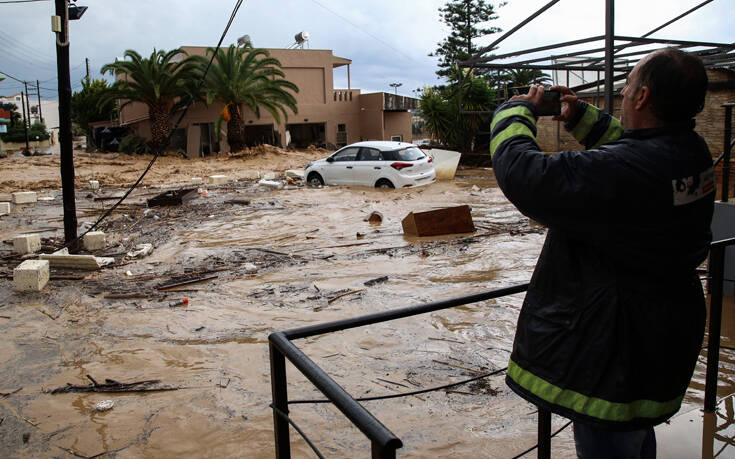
(450,220)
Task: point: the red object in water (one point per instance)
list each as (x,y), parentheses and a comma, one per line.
(181,302)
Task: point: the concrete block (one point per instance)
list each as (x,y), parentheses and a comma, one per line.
(269,176)
(251,175)
(31,276)
(25,197)
(197,180)
(4,208)
(27,243)
(295,173)
(217,179)
(6,197)
(94,185)
(94,240)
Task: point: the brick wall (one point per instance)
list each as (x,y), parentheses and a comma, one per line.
(710,124)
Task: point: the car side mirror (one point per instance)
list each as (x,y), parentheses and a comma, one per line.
(330,159)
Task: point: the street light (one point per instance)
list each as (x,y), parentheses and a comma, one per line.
(395,86)
(76,12)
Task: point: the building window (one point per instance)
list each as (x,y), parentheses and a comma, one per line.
(396,138)
(341,128)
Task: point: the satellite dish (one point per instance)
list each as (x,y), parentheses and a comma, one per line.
(244,40)
(301,37)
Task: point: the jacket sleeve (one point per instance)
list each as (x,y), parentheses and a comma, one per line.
(567,190)
(593,127)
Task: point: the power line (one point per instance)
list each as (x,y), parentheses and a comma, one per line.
(365,31)
(22,1)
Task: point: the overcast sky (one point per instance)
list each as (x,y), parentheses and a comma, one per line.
(387,40)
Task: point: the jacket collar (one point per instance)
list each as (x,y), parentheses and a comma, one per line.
(674,128)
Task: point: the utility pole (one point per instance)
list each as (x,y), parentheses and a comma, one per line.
(65,140)
(28,104)
(38,91)
(25,124)
(86,60)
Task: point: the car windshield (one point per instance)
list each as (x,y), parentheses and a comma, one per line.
(407,154)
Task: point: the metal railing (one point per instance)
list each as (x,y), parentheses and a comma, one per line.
(383,442)
(727,146)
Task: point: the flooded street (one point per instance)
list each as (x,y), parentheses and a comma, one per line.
(313,251)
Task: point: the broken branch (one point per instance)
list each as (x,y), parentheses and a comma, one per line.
(332,300)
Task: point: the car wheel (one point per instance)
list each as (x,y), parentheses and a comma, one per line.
(315,179)
(384,183)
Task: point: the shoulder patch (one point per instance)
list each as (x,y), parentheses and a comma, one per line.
(689,189)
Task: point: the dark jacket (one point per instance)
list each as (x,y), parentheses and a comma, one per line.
(613,320)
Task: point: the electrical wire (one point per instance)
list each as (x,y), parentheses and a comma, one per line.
(405,394)
(536,446)
(158,153)
(375,37)
(22,1)
(301,432)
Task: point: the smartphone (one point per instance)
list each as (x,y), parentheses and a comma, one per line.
(550,103)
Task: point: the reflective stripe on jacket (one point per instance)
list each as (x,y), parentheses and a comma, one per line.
(613,320)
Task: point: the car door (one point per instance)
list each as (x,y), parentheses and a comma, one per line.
(340,171)
(368,166)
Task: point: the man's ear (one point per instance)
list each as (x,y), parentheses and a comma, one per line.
(642,97)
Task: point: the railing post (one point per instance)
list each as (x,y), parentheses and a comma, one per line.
(716,272)
(379,452)
(280,401)
(544,433)
(726,163)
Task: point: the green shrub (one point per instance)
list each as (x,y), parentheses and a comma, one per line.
(134,144)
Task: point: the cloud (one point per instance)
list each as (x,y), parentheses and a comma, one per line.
(387,40)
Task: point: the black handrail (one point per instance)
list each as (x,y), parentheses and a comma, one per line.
(383,442)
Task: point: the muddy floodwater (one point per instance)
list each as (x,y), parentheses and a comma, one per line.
(312,251)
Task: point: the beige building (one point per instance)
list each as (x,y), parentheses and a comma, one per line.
(326,116)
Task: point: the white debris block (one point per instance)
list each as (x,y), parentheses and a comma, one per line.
(31,276)
(62,259)
(197,180)
(6,197)
(269,176)
(94,185)
(4,208)
(141,250)
(295,173)
(250,268)
(251,175)
(94,240)
(271,184)
(25,197)
(217,179)
(27,243)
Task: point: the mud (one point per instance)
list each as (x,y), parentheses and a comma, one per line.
(310,246)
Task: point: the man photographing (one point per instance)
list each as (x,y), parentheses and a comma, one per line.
(613,320)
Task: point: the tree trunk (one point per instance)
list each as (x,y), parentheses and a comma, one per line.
(235,129)
(160,126)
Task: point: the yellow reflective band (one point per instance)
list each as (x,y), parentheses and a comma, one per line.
(614,131)
(518,110)
(591,406)
(585,125)
(511,131)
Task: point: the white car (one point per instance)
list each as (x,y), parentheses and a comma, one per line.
(381,164)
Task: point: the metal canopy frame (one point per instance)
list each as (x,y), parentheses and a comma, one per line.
(713,54)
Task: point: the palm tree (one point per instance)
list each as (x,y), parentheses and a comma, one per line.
(163,82)
(526,77)
(242,75)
